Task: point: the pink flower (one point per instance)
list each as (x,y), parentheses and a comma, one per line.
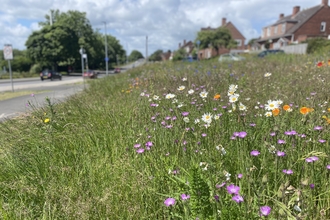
(169,202)
(265,210)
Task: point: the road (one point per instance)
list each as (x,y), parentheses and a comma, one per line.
(59,90)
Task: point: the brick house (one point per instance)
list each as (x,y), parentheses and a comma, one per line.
(187,46)
(235,33)
(297,27)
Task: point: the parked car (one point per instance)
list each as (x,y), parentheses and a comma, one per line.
(117,70)
(269,52)
(50,74)
(91,74)
(230,57)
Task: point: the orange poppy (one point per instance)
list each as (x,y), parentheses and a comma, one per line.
(328,62)
(286,107)
(217,96)
(305,110)
(276,111)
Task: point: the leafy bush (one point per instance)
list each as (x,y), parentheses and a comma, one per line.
(318,45)
(36,68)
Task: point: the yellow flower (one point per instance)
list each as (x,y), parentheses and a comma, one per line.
(328,109)
(47,120)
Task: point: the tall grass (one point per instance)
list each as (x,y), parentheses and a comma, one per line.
(126,149)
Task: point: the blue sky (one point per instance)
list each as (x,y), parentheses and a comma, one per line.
(166,22)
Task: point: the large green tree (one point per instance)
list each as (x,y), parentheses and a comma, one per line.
(135,55)
(217,38)
(156,56)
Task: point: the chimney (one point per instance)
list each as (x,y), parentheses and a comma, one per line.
(184,42)
(223,22)
(295,10)
(281,16)
(325,2)
(179,45)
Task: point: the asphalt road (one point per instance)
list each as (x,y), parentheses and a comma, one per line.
(59,90)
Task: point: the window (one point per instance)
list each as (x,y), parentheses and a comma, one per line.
(275,30)
(283,28)
(268,31)
(323,23)
(239,42)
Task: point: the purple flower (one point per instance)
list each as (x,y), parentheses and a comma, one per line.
(242,134)
(328,166)
(204,135)
(169,202)
(312,186)
(222,184)
(216,197)
(137,145)
(281,141)
(185,113)
(167,117)
(254,153)
(174,118)
(318,128)
(290,132)
(322,141)
(232,189)
(265,210)
(149,144)
(311,159)
(185,197)
(252,124)
(140,150)
(239,176)
(238,198)
(287,172)
(236,134)
(280,153)
(272,134)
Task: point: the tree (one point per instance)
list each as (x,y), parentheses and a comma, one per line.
(179,54)
(217,38)
(156,56)
(135,55)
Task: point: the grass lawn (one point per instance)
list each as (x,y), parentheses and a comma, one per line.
(10,95)
(201,140)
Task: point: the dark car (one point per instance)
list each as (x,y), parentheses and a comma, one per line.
(50,74)
(90,74)
(117,70)
(270,52)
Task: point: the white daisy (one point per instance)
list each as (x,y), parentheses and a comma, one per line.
(174,101)
(184,79)
(242,107)
(203,94)
(197,121)
(279,102)
(233,87)
(233,98)
(271,105)
(186,119)
(207,118)
(142,94)
(181,88)
(191,91)
(155,97)
(231,92)
(169,96)
(267,74)
(216,117)
(268,114)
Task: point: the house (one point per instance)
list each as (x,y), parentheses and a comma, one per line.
(166,55)
(187,46)
(235,33)
(297,27)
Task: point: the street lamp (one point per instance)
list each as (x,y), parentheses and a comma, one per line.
(106,47)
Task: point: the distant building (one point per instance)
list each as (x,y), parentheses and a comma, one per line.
(297,27)
(235,33)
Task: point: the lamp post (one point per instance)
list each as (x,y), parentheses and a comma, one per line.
(106,48)
(81,51)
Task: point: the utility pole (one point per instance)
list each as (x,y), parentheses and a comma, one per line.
(126,53)
(147,48)
(106,47)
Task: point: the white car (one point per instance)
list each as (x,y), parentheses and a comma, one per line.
(230,57)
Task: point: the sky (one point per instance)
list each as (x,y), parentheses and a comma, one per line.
(166,22)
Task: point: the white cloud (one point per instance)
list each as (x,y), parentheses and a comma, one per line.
(166,22)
